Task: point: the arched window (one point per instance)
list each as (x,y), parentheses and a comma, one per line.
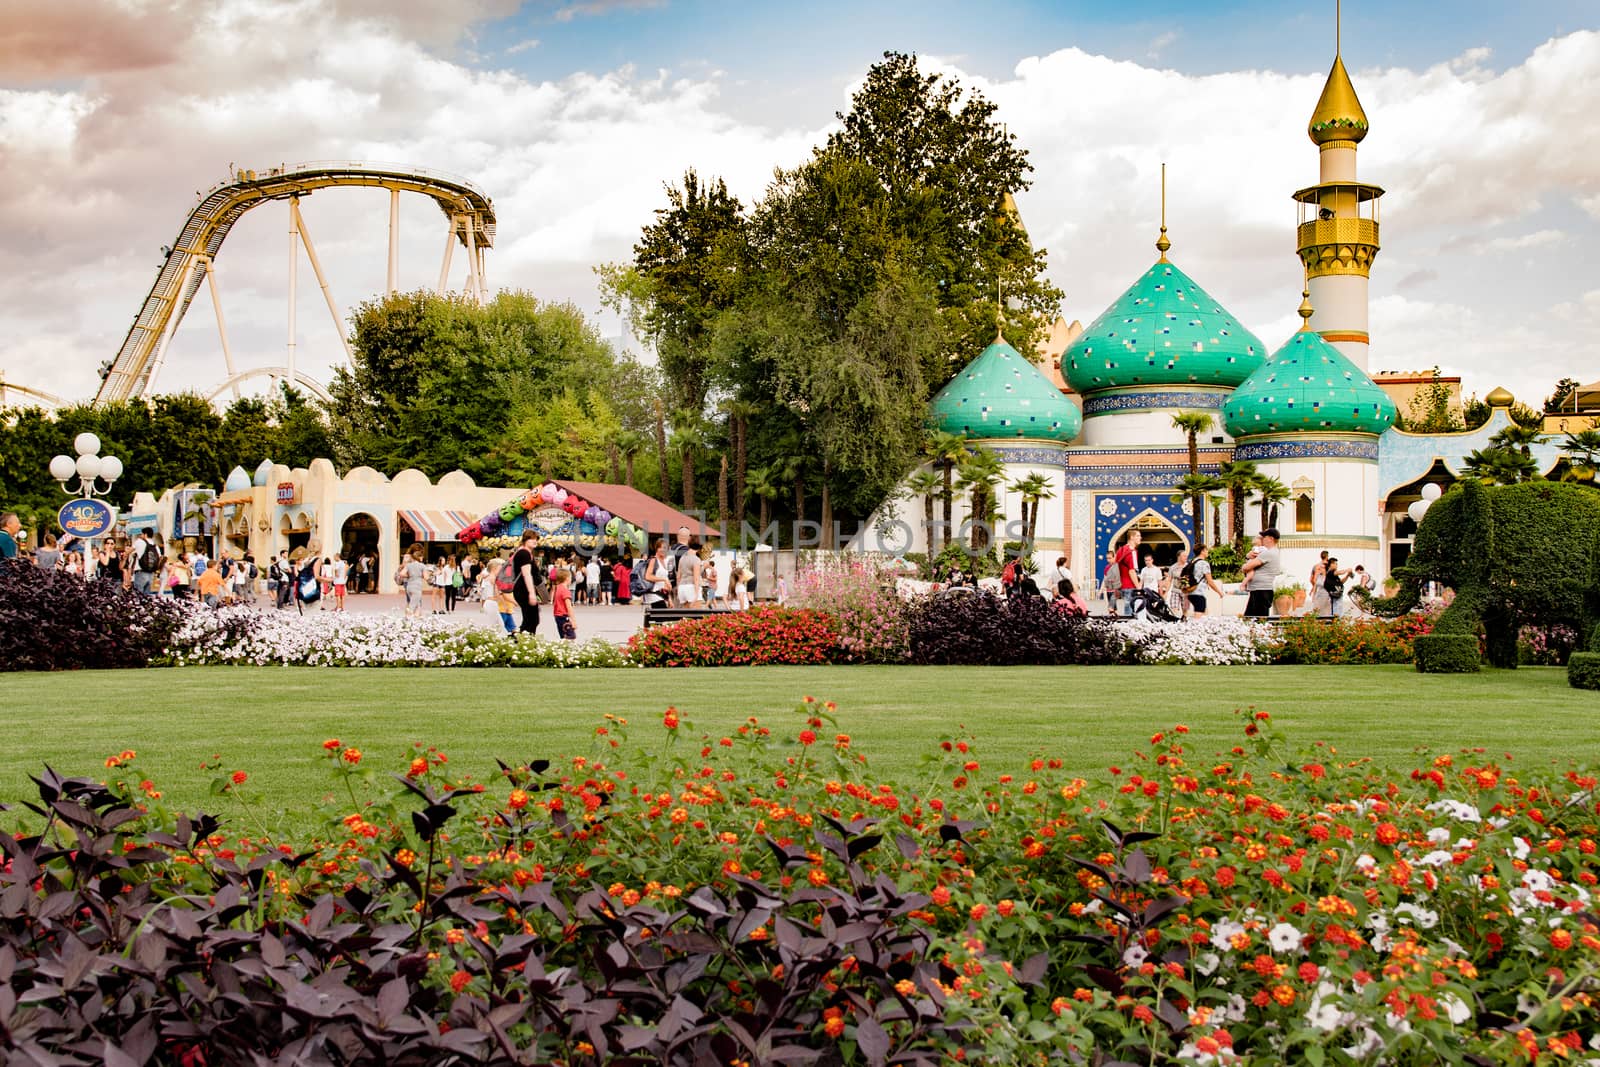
(1302,513)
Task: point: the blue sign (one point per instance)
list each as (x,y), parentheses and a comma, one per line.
(87,519)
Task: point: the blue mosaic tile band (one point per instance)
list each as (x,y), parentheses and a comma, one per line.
(1036,457)
(1103,405)
(1130,478)
(1257,451)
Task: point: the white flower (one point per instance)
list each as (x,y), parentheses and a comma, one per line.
(1456,809)
(1436,858)
(1521,848)
(1223,932)
(1207,963)
(1134,955)
(1439,835)
(1284,938)
(1420,917)
(1324,1014)
(1455,1008)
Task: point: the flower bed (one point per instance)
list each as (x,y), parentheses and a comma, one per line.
(761,636)
(1352,640)
(762,896)
(249,635)
(861,596)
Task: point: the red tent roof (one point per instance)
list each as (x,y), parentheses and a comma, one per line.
(646,512)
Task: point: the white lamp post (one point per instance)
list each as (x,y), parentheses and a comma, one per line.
(90,467)
(91,518)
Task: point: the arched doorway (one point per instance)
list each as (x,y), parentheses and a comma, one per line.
(1399,528)
(357,537)
(1157,536)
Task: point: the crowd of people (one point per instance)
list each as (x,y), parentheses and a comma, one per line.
(1131,575)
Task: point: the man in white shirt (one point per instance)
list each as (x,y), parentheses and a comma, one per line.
(1150,575)
(591,579)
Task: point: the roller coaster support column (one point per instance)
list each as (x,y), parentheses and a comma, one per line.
(449,247)
(294,266)
(316,266)
(394,240)
(473,288)
(209,265)
(166,335)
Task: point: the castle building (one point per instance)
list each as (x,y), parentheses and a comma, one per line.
(1167,382)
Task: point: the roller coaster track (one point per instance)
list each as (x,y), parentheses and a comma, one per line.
(469,211)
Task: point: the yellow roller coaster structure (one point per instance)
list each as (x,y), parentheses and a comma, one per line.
(188,261)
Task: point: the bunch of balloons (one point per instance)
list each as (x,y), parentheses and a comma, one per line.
(1419,508)
(552,495)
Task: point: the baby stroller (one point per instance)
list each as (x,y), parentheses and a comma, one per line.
(1149,604)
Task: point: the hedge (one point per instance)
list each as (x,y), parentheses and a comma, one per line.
(1446,653)
(1583,670)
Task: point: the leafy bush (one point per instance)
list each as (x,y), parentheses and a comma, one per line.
(763,897)
(1351,640)
(1225,562)
(980,628)
(761,636)
(860,596)
(55,621)
(1447,653)
(1583,670)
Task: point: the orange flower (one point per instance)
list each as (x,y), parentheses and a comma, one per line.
(518,800)
(834,1027)
(459,980)
(332,744)
(352,756)
(239,777)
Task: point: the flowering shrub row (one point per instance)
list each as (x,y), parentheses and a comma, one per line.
(761,636)
(1355,640)
(247,635)
(762,896)
(861,596)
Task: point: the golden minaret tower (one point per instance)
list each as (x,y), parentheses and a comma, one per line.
(1338,232)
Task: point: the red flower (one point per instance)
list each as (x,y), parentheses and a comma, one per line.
(808,737)
(239,777)
(459,980)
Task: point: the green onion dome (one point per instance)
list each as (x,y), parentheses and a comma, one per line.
(1002,394)
(1165,330)
(1308,386)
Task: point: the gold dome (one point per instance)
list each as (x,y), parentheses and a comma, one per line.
(1338,116)
(1499,398)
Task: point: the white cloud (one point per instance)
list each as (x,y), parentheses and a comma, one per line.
(523,46)
(100,156)
(1161,43)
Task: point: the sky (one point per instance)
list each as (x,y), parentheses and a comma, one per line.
(573,114)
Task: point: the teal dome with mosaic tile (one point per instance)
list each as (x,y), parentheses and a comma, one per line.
(1002,394)
(1165,330)
(1308,386)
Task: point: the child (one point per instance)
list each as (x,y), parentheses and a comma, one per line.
(504,602)
(561,601)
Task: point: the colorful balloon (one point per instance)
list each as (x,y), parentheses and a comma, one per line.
(548,492)
(613,524)
(559,498)
(531,499)
(602,517)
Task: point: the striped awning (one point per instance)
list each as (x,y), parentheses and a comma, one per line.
(436,525)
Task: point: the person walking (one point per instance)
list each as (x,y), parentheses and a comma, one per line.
(1128,571)
(145,558)
(1200,568)
(1260,573)
(591,580)
(10,525)
(47,557)
(561,605)
(526,589)
(339,574)
(363,571)
(1317,605)
(453,584)
(411,577)
(658,576)
(1111,582)
(180,578)
(1333,588)
(1172,586)
(505,604)
(622,581)
(689,582)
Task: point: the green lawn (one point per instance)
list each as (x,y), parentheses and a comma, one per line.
(271,721)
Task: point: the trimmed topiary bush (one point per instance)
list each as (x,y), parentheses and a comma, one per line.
(1583,670)
(1441,653)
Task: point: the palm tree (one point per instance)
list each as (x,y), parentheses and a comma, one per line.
(1215,498)
(1239,479)
(764,483)
(925,484)
(739,414)
(688,437)
(1519,437)
(1272,493)
(661,448)
(947,450)
(1194,489)
(629,443)
(1502,465)
(1033,488)
(722,495)
(1583,455)
(1193,424)
(980,472)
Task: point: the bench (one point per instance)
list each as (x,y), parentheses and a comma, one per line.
(654,616)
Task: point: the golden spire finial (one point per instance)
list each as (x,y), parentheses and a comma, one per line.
(1338,19)
(1306,310)
(1162,244)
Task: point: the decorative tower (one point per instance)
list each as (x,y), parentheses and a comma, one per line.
(1338,232)
(1164,346)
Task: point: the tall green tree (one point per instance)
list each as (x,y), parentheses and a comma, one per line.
(1193,424)
(1239,478)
